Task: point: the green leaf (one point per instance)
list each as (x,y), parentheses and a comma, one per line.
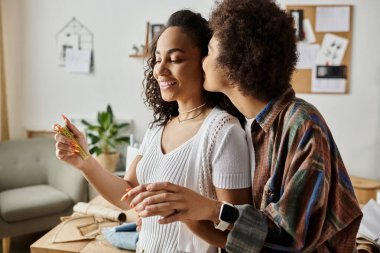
(113,131)
(94,128)
(85,122)
(124,139)
(122,125)
(95,150)
(105,120)
(112,144)
(94,139)
(109,111)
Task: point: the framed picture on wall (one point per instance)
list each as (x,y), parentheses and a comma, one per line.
(298,23)
(154,29)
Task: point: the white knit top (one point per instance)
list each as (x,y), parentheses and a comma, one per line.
(230,170)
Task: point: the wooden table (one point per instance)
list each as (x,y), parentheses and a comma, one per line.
(98,245)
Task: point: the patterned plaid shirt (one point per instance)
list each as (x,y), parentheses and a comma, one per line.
(303,200)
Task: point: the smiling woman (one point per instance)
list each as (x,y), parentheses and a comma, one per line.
(192,141)
(193,33)
(207,140)
(177,69)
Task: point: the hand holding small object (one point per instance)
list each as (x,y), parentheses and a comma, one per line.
(70,142)
(67,133)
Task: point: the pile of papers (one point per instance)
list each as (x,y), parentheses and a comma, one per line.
(369,231)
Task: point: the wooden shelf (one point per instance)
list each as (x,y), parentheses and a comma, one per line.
(145,54)
(35,133)
(138,55)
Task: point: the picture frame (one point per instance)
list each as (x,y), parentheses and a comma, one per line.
(154,29)
(73,36)
(298,23)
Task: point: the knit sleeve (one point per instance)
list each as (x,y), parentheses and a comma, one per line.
(230,157)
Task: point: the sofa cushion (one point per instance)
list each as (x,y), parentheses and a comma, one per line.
(31,202)
(25,162)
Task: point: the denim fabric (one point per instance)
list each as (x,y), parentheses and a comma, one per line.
(124,236)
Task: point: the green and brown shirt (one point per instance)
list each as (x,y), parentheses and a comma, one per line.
(303,199)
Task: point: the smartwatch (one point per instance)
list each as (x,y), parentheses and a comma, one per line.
(228,214)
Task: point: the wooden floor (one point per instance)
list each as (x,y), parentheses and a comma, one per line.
(21,244)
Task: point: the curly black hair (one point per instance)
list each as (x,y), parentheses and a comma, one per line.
(196,27)
(257,45)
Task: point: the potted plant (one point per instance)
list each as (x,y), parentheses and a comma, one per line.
(104,137)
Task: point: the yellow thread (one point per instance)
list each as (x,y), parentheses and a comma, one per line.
(66,132)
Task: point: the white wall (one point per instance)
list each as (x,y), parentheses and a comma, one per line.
(39,90)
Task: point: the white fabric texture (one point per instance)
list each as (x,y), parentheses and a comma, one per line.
(216,156)
(248,134)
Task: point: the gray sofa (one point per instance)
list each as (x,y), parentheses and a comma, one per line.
(36,189)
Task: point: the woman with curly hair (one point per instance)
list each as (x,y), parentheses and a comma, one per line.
(303,200)
(192,141)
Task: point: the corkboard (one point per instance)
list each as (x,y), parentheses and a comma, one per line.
(301,79)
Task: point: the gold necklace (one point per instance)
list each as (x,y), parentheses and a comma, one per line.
(182,120)
(191,110)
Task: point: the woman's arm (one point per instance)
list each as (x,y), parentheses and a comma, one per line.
(230,177)
(198,212)
(110,186)
(180,202)
(206,229)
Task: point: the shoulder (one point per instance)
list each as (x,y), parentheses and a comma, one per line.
(222,121)
(152,131)
(303,123)
(301,114)
(223,126)
(221,117)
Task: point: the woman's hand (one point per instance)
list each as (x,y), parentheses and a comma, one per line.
(66,149)
(179,202)
(140,193)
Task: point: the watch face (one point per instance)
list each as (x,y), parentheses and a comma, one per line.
(228,213)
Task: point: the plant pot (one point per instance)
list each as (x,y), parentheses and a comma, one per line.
(108,161)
